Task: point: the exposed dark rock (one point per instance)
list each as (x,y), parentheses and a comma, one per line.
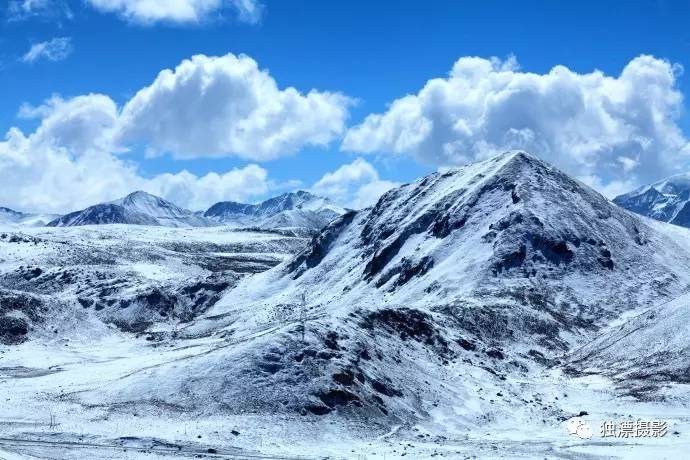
(319,246)
(337,397)
(406,270)
(319,409)
(385,388)
(344,377)
(495,353)
(466,344)
(12,330)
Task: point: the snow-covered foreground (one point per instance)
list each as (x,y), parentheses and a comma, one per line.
(470,314)
(43,417)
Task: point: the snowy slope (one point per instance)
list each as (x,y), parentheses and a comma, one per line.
(139,208)
(511,222)
(644,349)
(130,276)
(652,346)
(667,200)
(465,280)
(295,209)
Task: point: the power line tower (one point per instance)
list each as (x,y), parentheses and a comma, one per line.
(303,315)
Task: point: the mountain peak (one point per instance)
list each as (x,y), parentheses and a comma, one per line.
(667,200)
(139,208)
(299,208)
(497,164)
(141,193)
(517,155)
(301,193)
(139,196)
(9,211)
(509,227)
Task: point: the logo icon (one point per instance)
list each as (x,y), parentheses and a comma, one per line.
(577,426)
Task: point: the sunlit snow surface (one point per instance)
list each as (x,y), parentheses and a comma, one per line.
(472,356)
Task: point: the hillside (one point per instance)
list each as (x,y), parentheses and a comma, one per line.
(472,278)
(138,208)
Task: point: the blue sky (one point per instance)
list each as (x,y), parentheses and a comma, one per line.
(373,53)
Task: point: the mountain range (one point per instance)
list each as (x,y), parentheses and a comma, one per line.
(296,209)
(139,208)
(453,233)
(465,279)
(465,302)
(667,200)
(12,217)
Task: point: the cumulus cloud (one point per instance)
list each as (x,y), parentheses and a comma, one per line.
(64,165)
(54,50)
(355,185)
(80,124)
(217,106)
(178,11)
(606,129)
(194,192)
(206,106)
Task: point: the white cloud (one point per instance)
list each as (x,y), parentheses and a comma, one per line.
(80,124)
(218,106)
(54,50)
(609,189)
(39,174)
(355,185)
(614,129)
(248,11)
(20,10)
(197,193)
(207,106)
(178,11)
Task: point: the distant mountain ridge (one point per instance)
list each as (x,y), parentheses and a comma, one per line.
(667,200)
(293,209)
(138,208)
(299,209)
(10,216)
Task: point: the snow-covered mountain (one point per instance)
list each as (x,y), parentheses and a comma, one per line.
(667,200)
(433,317)
(646,350)
(8,215)
(130,276)
(463,280)
(12,217)
(139,208)
(294,209)
(509,222)
(652,347)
